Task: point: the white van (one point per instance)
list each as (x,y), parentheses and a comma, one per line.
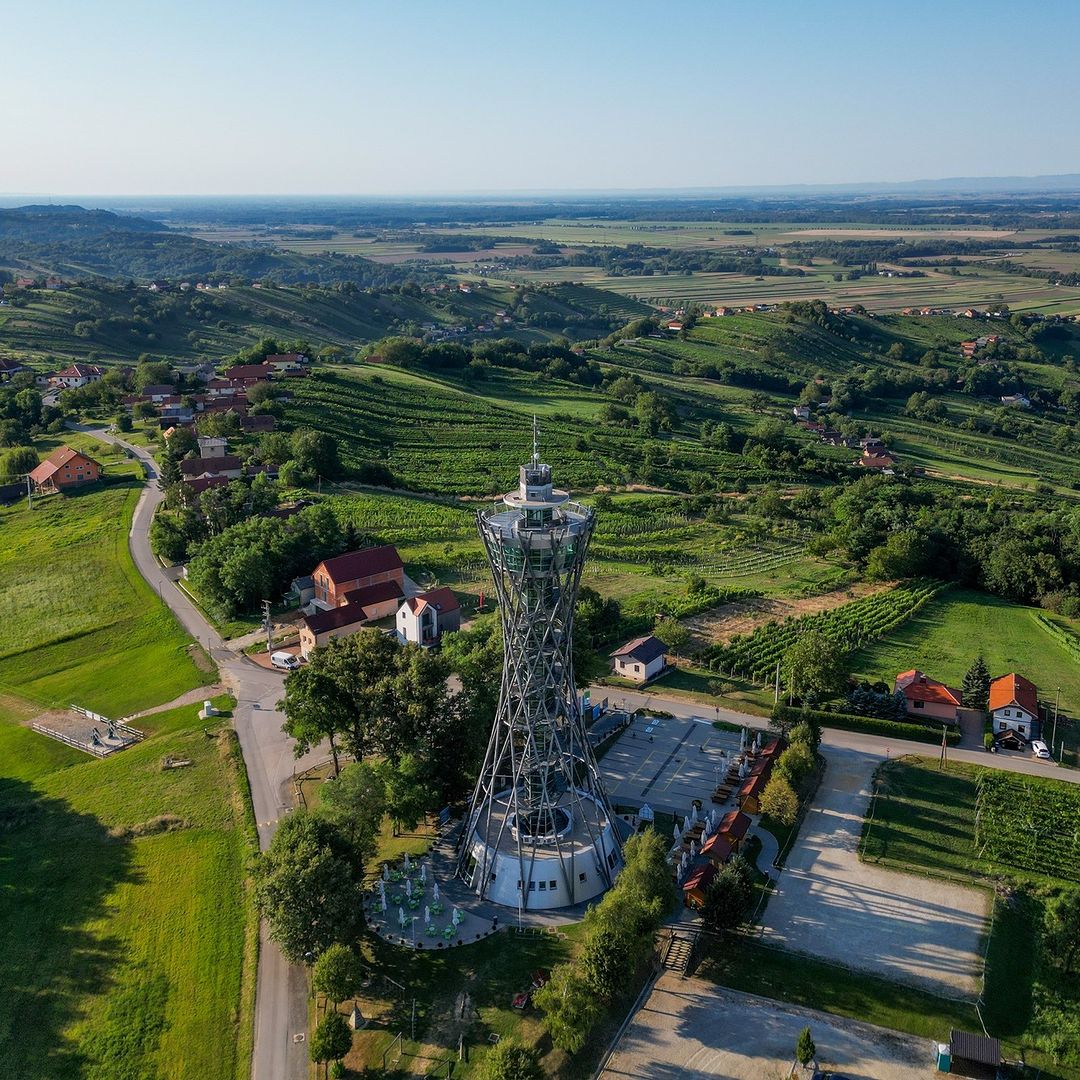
(284,660)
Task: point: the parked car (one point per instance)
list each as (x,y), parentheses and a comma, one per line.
(284,660)
(1040,749)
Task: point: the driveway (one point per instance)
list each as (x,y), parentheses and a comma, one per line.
(902,926)
(692,1029)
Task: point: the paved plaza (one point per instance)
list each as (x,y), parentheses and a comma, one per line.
(917,929)
(667,763)
(693,1030)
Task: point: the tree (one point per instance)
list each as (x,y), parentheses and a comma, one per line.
(1063,929)
(779,801)
(975,689)
(315,451)
(509,1060)
(570,1007)
(795,764)
(807,732)
(308,887)
(728,895)
(356,803)
(814,667)
(332,1039)
(337,973)
(312,707)
(407,792)
(18,461)
(672,633)
(609,954)
(804,1047)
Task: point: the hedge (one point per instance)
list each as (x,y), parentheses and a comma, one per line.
(868,725)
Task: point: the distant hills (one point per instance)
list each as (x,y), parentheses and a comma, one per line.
(75,243)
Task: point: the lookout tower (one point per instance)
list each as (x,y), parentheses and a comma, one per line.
(540,832)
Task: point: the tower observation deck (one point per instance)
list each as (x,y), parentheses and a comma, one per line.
(540,832)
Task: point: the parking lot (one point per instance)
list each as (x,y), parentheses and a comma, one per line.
(690,1028)
(828,903)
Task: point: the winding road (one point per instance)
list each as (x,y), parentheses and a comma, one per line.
(281,989)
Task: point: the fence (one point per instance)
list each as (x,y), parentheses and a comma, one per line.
(119,725)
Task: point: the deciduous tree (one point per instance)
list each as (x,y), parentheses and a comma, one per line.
(337,973)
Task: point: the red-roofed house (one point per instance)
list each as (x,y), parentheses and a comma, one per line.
(358,608)
(75,376)
(248,374)
(927,698)
(730,832)
(65,468)
(353,570)
(285,361)
(425,618)
(882,460)
(1014,706)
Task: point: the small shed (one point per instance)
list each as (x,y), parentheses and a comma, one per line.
(696,883)
(977,1056)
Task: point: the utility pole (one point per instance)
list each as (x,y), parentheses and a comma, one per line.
(776,688)
(29,493)
(1053,738)
(268,626)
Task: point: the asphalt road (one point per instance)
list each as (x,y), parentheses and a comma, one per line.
(833,738)
(281,989)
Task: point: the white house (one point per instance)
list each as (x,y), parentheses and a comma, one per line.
(423,619)
(800,412)
(640,660)
(1014,706)
(75,376)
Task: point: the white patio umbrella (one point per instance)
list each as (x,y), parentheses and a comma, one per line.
(456,917)
(382,902)
(435,891)
(693,849)
(427,915)
(386,872)
(401,918)
(687,824)
(676,833)
(406,863)
(423,873)
(408,887)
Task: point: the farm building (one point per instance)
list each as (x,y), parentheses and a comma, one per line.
(65,468)
(641,659)
(360,607)
(927,698)
(423,619)
(1014,706)
(355,569)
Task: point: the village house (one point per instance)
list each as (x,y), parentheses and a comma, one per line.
(1016,401)
(10,368)
(75,376)
(641,659)
(928,699)
(248,374)
(967,348)
(360,607)
(64,468)
(227,465)
(158,393)
(1014,706)
(354,570)
(423,619)
(212,447)
(800,412)
(285,361)
(881,461)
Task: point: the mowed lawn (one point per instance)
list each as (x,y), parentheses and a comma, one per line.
(80,624)
(946,636)
(127,937)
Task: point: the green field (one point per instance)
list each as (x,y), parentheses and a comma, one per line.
(953,629)
(923,820)
(126,951)
(81,625)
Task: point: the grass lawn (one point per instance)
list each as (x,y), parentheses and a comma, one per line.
(81,625)
(924,821)
(946,636)
(127,942)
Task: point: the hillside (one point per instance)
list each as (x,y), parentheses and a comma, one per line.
(119,322)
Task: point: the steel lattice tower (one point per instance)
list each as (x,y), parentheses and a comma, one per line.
(540,832)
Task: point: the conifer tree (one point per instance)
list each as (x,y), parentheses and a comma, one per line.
(975,689)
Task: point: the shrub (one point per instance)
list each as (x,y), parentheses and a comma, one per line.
(509,1060)
(780,801)
(332,1039)
(785,714)
(804,1047)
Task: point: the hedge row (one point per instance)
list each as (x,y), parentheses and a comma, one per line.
(868,725)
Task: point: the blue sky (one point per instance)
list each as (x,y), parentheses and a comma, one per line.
(406,97)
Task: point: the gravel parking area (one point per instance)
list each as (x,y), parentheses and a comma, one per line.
(690,1028)
(903,926)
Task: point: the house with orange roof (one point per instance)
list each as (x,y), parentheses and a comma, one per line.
(928,699)
(1014,706)
(64,468)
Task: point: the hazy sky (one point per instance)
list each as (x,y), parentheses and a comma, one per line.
(406,96)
